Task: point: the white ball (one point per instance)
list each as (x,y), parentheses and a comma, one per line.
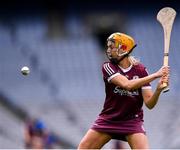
(25,70)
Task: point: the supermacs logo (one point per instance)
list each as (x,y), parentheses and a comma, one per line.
(122,92)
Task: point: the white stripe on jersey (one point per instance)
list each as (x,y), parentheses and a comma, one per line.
(108,69)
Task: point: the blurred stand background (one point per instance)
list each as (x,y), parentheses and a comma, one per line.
(63,43)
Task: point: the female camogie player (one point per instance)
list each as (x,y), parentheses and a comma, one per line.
(127,86)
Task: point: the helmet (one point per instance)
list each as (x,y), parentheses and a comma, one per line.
(122,42)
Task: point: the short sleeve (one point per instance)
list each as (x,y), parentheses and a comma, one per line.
(109,71)
(145,73)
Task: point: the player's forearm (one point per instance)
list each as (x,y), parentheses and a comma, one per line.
(153,99)
(137,83)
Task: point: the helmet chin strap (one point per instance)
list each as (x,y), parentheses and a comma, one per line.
(120,55)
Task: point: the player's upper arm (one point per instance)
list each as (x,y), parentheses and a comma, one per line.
(146,89)
(111,74)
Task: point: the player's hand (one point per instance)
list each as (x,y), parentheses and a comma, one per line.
(163,79)
(163,71)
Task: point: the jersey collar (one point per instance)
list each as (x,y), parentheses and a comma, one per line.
(125,69)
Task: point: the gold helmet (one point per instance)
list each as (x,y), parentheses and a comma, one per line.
(122,42)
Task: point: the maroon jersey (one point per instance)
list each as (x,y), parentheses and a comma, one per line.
(122,111)
(120,103)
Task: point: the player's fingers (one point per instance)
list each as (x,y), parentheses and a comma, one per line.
(165,79)
(165,70)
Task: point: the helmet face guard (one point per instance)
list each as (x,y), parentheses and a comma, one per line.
(121,44)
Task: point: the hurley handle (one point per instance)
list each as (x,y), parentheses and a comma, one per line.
(165,63)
